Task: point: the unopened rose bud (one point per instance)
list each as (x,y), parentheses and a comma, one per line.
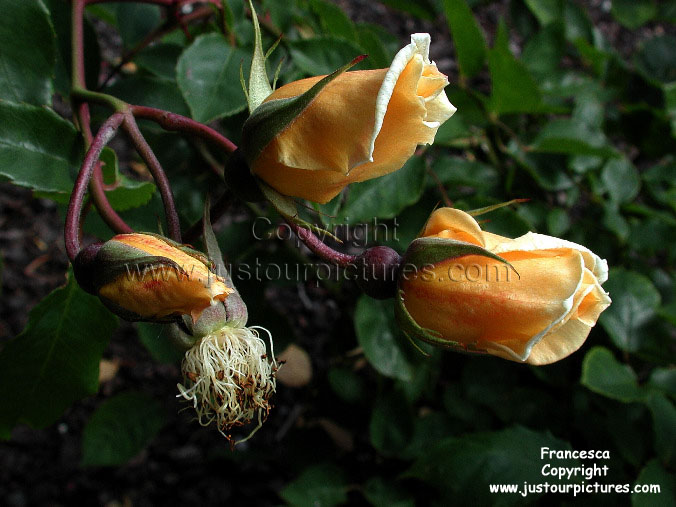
(362,125)
(144,277)
(537,309)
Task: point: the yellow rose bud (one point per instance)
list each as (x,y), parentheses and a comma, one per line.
(361,125)
(539,316)
(145,277)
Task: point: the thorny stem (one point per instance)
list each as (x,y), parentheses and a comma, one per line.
(147,154)
(98,195)
(318,247)
(103,136)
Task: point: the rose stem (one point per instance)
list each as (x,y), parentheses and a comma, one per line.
(147,154)
(72,226)
(320,248)
(98,195)
(176,122)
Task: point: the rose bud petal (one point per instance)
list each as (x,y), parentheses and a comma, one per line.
(361,125)
(147,277)
(479,304)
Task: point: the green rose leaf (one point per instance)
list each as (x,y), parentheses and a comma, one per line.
(635,301)
(603,374)
(318,485)
(207,76)
(120,428)
(384,197)
(28,52)
(55,360)
(381,340)
(463,467)
(655,473)
(38,149)
(513,88)
(470,45)
(391,424)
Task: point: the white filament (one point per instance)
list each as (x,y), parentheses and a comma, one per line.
(229,378)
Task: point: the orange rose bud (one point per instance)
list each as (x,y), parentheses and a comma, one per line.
(362,125)
(150,278)
(537,313)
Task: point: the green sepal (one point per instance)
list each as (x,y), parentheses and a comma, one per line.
(271,118)
(259,84)
(286,206)
(429,251)
(234,311)
(493,207)
(412,329)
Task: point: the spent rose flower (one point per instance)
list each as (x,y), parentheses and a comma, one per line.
(151,278)
(539,313)
(362,125)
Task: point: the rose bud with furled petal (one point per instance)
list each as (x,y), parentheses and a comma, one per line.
(362,125)
(537,313)
(145,277)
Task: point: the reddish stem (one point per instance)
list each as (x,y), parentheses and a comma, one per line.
(147,154)
(72,226)
(320,248)
(98,194)
(176,122)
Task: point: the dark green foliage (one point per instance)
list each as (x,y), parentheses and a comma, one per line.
(583,128)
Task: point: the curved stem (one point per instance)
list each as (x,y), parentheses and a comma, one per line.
(72,226)
(98,195)
(320,248)
(176,122)
(147,154)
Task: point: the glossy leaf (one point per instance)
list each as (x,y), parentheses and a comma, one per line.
(155,338)
(120,428)
(621,179)
(664,426)
(207,76)
(572,137)
(378,335)
(38,149)
(28,52)
(513,88)
(391,424)
(320,56)
(333,20)
(150,90)
(386,196)
(475,460)
(654,473)
(635,301)
(123,193)
(633,13)
(318,485)
(603,374)
(55,360)
(470,45)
